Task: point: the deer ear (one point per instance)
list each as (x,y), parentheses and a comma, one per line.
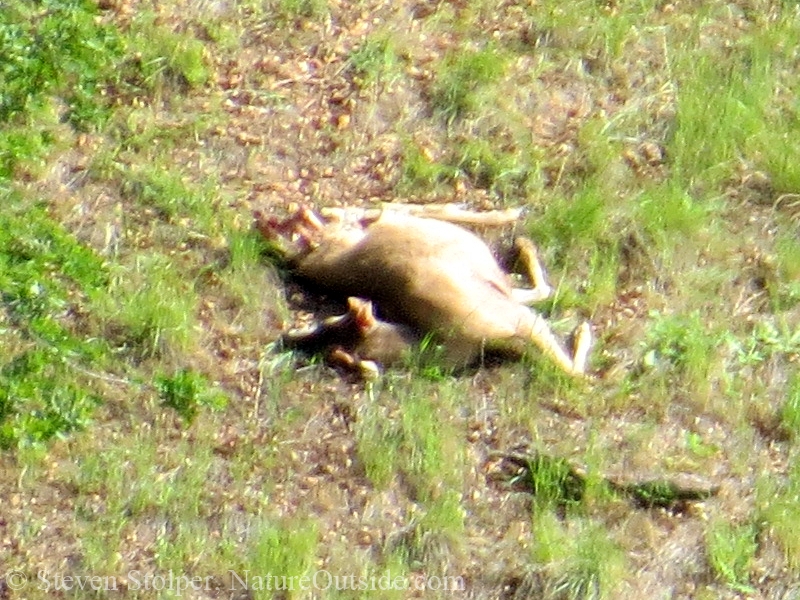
(362,312)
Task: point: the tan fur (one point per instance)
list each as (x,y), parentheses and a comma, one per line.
(432,276)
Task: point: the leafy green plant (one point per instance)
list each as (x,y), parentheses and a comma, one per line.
(58,59)
(765,340)
(56,47)
(681,343)
(39,400)
(187,391)
(44,272)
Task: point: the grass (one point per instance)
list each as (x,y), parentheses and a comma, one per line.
(287,551)
(149,421)
(584,563)
(731,551)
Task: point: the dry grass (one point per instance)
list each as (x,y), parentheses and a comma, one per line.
(152,425)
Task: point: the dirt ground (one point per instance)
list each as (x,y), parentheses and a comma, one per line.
(285,119)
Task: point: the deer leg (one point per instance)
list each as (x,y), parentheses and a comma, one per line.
(535,272)
(442,212)
(582,344)
(538,331)
(366,369)
(541,335)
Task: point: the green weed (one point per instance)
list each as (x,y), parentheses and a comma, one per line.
(790,411)
(731,550)
(149,307)
(44,275)
(680,344)
(187,391)
(165,58)
(39,399)
(56,47)
(778,511)
(766,339)
(461,76)
(278,556)
(580,561)
(374,61)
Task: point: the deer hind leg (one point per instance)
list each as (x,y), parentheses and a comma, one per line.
(366,369)
(535,272)
(452,213)
(539,332)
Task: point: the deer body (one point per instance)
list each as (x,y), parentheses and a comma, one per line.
(431,276)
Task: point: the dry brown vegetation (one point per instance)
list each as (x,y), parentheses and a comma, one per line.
(653,145)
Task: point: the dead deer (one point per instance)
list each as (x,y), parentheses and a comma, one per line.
(426,276)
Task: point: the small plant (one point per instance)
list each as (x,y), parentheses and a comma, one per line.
(581,561)
(295,11)
(766,340)
(731,550)
(283,552)
(165,57)
(44,273)
(38,401)
(58,48)
(455,92)
(148,310)
(680,343)
(779,511)
(188,391)
(790,412)
(374,61)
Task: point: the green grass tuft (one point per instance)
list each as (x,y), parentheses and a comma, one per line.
(279,556)
(731,552)
(456,89)
(188,391)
